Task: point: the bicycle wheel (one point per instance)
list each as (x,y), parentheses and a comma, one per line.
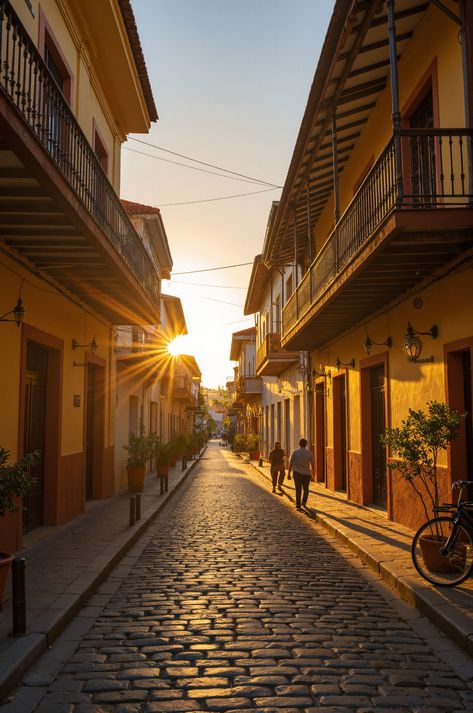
(445,570)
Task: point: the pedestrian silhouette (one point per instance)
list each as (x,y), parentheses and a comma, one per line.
(302,464)
(277,459)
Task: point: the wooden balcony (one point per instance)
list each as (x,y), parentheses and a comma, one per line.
(182,389)
(271,358)
(248,388)
(411,216)
(58,209)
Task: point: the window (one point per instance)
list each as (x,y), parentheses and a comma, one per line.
(100,151)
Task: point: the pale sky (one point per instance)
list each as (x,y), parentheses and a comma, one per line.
(230,79)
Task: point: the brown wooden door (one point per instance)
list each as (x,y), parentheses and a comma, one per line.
(320,443)
(89,434)
(378,425)
(422,153)
(34,430)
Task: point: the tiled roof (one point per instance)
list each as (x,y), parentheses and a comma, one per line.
(245,332)
(138,208)
(135,44)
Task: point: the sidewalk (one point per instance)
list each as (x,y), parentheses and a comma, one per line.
(385,547)
(67,565)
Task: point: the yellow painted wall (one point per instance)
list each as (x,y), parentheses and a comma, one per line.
(46,309)
(447,303)
(435,38)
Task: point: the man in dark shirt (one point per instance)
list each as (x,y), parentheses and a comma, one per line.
(302,463)
(277,459)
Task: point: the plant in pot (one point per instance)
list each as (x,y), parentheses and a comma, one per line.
(416,446)
(139,452)
(162,454)
(15,480)
(174,446)
(239,443)
(252,444)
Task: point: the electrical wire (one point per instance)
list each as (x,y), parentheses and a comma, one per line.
(210,269)
(193,168)
(222,198)
(204,163)
(212,299)
(206,284)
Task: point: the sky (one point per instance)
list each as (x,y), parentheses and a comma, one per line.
(230,80)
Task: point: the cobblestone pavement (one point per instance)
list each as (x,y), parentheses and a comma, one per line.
(237,603)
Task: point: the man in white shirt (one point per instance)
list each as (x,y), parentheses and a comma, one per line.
(302,464)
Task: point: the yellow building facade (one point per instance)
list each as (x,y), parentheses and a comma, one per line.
(74,83)
(376,225)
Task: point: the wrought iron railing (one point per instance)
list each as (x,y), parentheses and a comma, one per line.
(29,85)
(435,173)
(250,385)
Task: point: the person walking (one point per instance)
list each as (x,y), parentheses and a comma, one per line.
(277,458)
(302,464)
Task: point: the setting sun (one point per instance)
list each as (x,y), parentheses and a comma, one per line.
(176,346)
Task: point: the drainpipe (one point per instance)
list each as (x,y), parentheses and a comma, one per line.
(396,113)
(336,202)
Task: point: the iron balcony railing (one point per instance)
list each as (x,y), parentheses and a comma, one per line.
(29,85)
(419,169)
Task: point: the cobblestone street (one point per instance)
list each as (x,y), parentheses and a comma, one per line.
(239,602)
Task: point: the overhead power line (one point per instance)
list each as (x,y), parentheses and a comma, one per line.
(211,269)
(207,284)
(204,163)
(212,299)
(193,168)
(222,198)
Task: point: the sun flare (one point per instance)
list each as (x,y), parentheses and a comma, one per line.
(175,347)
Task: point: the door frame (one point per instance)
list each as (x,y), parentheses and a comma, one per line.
(338,445)
(99,429)
(52,437)
(366,436)
(453,397)
(320,392)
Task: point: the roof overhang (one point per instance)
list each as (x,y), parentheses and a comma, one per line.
(352,72)
(259,279)
(176,322)
(239,339)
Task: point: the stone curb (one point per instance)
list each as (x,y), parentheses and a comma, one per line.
(430,601)
(24,651)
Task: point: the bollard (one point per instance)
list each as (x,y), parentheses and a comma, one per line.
(183,463)
(260,463)
(18,597)
(166,484)
(132,510)
(138,506)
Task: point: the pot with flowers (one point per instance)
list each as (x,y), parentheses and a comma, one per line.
(252,444)
(139,453)
(15,481)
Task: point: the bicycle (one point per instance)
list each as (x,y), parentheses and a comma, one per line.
(442,548)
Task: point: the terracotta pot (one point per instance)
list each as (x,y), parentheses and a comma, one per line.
(136,478)
(436,562)
(5,561)
(173,462)
(163,469)
(254,455)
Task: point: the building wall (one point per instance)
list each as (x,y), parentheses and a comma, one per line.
(448,303)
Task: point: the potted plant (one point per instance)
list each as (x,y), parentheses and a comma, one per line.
(416,445)
(15,480)
(252,444)
(239,443)
(162,454)
(139,452)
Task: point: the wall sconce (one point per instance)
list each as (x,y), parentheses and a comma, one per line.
(339,363)
(413,343)
(18,313)
(93,345)
(319,373)
(368,343)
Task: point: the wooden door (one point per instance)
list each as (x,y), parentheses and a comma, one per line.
(422,153)
(34,430)
(378,425)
